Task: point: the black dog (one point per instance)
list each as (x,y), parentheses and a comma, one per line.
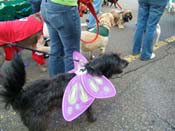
(35,102)
(113,2)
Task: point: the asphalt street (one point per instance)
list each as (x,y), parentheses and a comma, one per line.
(145,99)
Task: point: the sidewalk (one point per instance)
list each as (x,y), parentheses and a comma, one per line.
(146,89)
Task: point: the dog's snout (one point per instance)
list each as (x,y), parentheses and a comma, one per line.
(124,63)
(130,17)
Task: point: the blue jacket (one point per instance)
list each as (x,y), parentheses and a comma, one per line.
(156,2)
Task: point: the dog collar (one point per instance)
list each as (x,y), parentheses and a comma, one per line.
(103,31)
(82,90)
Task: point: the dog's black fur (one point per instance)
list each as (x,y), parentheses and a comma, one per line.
(113,2)
(36,101)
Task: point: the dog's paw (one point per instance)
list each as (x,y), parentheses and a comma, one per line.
(43,69)
(120,26)
(91,118)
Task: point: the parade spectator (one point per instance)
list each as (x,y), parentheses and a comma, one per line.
(91,19)
(149,14)
(63,22)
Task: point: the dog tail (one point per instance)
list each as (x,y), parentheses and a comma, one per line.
(12,81)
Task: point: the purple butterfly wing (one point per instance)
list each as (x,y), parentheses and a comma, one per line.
(98,87)
(75,100)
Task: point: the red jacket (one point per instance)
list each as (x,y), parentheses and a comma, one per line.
(17,30)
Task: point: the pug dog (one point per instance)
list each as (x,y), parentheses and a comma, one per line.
(121,17)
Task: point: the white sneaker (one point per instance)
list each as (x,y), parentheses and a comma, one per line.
(152,56)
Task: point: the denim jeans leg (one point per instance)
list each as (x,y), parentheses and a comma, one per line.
(97,5)
(156,12)
(91,21)
(70,36)
(56,62)
(140,28)
(35,5)
(64,29)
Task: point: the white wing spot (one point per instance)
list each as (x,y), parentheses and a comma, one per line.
(106,89)
(77,106)
(69,110)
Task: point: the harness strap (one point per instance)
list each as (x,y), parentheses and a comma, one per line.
(22,47)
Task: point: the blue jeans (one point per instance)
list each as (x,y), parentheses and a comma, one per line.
(63,24)
(35,5)
(97,5)
(148,17)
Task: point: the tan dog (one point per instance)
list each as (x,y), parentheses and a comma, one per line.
(26,32)
(106,21)
(121,17)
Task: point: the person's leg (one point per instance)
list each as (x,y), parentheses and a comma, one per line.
(70,35)
(155,14)
(56,59)
(91,19)
(140,28)
(54,21)
(35,5)
(66,21)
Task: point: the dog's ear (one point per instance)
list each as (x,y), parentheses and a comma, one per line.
(118,53)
